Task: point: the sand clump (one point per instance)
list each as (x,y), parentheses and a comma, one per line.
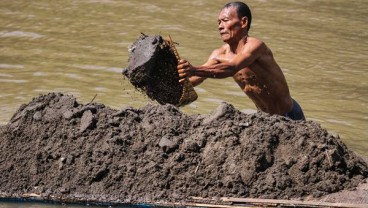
(57,146)
(152,69)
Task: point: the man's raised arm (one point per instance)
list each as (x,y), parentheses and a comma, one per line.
(183,65)
(223,69)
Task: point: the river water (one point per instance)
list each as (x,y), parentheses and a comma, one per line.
(79,47)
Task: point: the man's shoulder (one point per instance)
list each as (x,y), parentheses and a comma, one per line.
(221,50)
(255,41)
(255,44)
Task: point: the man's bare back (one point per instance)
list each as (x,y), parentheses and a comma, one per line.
(249,61)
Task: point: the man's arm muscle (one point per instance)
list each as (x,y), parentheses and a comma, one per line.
(227,69)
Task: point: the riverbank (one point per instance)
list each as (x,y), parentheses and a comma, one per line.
(55,146)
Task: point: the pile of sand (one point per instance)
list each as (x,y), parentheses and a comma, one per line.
(57,146)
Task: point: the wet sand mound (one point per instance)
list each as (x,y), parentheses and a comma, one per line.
(57,146)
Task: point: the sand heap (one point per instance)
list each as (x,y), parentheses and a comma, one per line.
(55,145)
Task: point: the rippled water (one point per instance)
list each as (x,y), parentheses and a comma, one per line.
(80,47)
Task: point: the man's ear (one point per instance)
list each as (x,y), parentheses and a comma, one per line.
(244,22)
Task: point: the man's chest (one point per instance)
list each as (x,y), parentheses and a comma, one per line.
(245,76)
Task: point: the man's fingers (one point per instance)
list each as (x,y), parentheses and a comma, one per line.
(183,66)
(183,70)
(182,75)
(180,66)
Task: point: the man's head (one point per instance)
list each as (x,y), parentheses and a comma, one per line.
(234,20)
(242,10)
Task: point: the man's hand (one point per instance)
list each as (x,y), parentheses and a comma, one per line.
(185,69)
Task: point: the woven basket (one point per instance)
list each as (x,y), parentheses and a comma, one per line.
(188,94)
(152,69)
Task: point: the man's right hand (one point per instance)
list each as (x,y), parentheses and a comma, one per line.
(185,70)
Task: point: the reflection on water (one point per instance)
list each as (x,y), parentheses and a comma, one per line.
(80,47)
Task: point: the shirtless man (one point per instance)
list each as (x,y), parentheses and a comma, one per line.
(249,61)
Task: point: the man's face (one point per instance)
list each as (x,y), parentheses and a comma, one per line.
(229,25)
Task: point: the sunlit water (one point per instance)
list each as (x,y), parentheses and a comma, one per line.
(80,47)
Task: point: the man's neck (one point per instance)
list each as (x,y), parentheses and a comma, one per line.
(238,45)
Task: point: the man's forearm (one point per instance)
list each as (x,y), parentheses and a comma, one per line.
(196,80)
(221,70)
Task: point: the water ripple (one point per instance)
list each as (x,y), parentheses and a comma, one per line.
(11,66)
(20,34)
(94,67)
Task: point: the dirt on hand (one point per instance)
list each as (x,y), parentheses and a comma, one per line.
(57,146)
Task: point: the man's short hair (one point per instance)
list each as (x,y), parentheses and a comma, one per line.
(242,10)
